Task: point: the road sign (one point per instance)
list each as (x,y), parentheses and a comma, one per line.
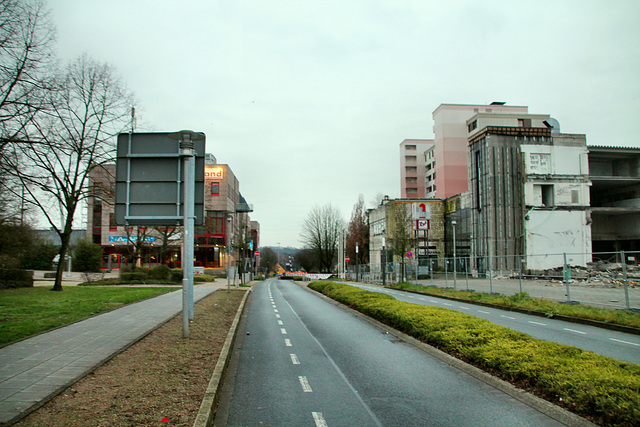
(423,224)
(257,253)
(409,254)
(421,211)
(150,180)
(347,259)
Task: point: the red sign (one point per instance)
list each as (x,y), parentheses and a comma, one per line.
(347,259)
(423,224)
(257,253)
(409,254)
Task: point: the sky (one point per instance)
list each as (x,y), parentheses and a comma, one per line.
(308,101)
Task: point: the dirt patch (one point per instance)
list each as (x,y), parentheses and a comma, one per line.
(160,380)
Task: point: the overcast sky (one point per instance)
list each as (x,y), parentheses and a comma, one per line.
(308,101)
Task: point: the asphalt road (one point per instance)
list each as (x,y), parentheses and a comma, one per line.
(618,345)
(300,360)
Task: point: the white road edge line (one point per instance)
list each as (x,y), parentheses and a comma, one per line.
(304,382)
(319,419)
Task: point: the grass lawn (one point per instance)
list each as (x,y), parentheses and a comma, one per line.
(28,311)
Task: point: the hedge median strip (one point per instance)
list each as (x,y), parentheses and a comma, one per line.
(540,305)
(601,388)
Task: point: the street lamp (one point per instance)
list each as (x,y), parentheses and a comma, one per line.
(357,262)
(453,223)
(229,219)
(384,263)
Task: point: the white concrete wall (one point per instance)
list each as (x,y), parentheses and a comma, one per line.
(549,234)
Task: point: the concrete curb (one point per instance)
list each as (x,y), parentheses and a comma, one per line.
(556,412)
(206,413)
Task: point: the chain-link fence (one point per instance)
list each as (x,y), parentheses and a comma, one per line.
(606,279)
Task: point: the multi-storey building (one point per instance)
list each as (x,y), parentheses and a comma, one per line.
(615,199)
(413,166)
(529,188)
(451,145)
(226,220)
(428,244)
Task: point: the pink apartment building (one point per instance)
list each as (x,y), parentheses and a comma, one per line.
(413,167)
(451,147)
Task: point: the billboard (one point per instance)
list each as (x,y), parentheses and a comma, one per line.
(150,180)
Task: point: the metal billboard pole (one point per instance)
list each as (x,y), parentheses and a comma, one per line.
(187,154)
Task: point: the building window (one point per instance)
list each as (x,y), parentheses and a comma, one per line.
(410,147)
(215,188)
(411,169)
(524,123)
(112,222)
(547,195)
(473,125)
(411,158)
(411,179)
(412,190)
(575,196)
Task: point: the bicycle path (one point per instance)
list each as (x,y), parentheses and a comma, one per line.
(34,370)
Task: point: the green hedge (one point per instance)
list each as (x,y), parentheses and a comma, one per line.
(15,278)
(524,301)
(601,388)
(136,276)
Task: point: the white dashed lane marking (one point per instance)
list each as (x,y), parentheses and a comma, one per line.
(537,323)
(287,342)
(283,331)
(319,419)
(304,382)
(294,359)
(573,330)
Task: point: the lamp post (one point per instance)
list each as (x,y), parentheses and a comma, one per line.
(455,268)
(229,218)
(384,263)
(357,262)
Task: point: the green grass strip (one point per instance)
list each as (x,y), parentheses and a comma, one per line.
(28,311)
(601,388)
(526,302)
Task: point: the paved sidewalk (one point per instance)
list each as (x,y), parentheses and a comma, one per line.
(36,369)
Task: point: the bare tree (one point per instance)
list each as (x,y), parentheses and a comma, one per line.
(74,134)
(268,260)
(320,233)
(358,233)
(26,41)
(400,230)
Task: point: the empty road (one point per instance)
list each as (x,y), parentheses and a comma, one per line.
(300,360)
